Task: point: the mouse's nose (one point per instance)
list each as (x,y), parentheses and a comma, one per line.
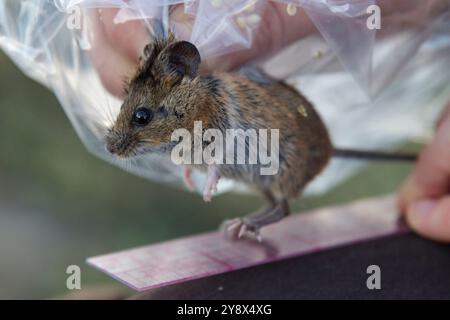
(118,144)
(111,148)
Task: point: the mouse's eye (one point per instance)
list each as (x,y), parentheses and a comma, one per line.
(142,116)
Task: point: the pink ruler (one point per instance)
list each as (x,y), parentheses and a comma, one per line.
(207,254)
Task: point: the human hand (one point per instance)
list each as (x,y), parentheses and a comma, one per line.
(116,47)
(425,196)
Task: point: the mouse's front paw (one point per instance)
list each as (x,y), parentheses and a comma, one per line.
(212,179)
(187,178)
(238,228)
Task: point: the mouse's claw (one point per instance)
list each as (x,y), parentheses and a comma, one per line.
(207,196)
(187,178)
(242,230)
(250,231)
(212,180)
(239,228)
(231,228)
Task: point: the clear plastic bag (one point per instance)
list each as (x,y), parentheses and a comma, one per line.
(374,88)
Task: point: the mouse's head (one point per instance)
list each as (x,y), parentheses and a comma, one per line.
(165,94)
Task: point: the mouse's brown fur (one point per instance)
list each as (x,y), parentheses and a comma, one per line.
(167,83)
(304,144)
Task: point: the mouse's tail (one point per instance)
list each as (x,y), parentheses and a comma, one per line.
(374,155)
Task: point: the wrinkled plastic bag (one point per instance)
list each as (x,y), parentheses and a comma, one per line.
(374,88)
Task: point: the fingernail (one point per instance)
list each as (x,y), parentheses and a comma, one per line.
(419,211)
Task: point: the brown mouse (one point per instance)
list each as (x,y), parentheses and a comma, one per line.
(167,93)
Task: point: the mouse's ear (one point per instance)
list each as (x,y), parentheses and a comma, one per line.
(148,52)
(181,58)
(148,55)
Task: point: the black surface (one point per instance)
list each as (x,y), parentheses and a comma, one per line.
(411,268)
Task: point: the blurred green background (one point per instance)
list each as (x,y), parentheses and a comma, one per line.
(60,205)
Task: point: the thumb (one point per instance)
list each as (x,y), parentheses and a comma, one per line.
(431,218)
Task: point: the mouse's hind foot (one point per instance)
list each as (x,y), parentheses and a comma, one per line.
(237,228)
(250,225)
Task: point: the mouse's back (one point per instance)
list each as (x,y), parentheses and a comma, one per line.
(260,102)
